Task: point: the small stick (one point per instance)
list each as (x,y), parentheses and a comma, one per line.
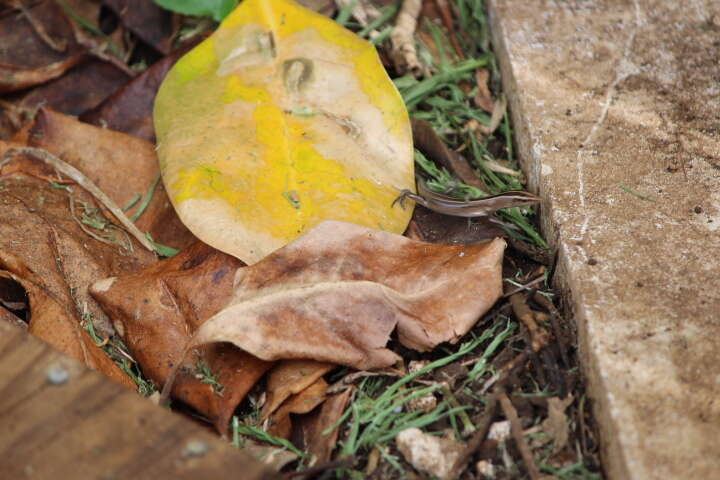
(402,38)
(505,371)
(525,286)
(554,317)
(78,177)
(517,433)
(447,19)
(483,428)
(538,335)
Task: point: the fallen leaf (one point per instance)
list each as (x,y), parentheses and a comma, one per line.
(428,453)
(317,442)
(81,88)
(280,423)
(149,22)
(45,248)
(429,143)
(104,156)
(240,184)
(157,310)
(27,59)
(335,295)
(556,424)
(291,377)
(483,98)
(129,109)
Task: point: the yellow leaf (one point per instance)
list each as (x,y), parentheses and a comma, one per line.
(278,121)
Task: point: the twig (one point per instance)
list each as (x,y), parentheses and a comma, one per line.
(78,177)
(402,38)
(554,322)
(525,286)
(517,433)
(447,19)
(83,227)
(538,335)
(483,427)
(505,371)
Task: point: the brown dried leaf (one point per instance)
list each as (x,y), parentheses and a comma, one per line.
(483,97)
(429,143)
(104,156)
(28,59)
(80,89)
(129,109)
(44,248)
(154,25)
(291,377)
(158,309)
(317,443)
(336,293)
(8,317)
(303,402)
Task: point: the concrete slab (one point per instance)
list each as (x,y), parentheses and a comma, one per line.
(613,99)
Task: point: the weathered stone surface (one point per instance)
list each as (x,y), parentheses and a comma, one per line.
(611,97)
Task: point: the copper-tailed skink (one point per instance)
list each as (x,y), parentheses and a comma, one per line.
(481,207)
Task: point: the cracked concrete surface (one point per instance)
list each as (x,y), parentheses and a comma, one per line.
(616,106)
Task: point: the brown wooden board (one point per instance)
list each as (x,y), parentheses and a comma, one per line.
(61,420)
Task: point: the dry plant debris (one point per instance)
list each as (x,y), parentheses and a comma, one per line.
(481,362)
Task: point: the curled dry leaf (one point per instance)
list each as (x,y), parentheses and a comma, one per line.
(317,442)
(303,402)
(291,377)
(278,121)
(8,317)
(129,109)
(80,89)
(45,248)
(104,156)
(335,295)
(38,50)
(158,309)
(152,24)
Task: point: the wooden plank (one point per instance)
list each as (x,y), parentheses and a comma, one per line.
(60,420)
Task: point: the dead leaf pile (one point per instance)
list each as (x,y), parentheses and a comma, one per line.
(58,240)
(332,296)
(292,338)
